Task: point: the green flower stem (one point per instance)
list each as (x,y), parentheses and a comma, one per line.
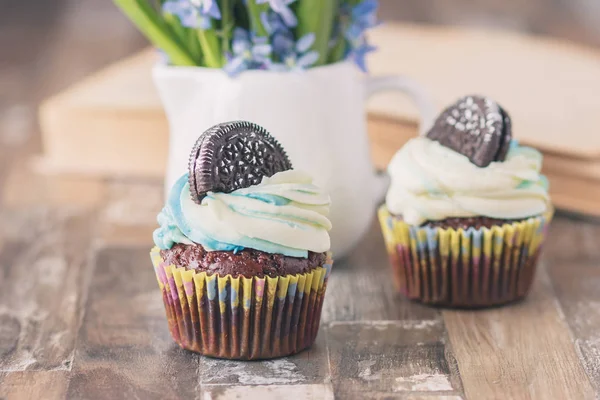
(227,23)
(182,35)
(149,22)
(175,25)
(211,49)
(193,45)
(254,12)
(316,16)
(338,51)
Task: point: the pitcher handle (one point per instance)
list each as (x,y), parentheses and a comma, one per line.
(413,89)
(419,96)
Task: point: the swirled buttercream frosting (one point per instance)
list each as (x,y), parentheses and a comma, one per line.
(283,214)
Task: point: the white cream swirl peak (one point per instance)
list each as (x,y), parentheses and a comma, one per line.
(430,182)
(467,210)
(284,214)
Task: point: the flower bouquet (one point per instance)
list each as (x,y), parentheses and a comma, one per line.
(239,35)
(228,60)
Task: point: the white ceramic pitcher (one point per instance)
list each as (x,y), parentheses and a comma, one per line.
(318,115)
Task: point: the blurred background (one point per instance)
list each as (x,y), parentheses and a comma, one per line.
(47,44)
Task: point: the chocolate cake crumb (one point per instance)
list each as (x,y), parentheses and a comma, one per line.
(248,262)
(470,222)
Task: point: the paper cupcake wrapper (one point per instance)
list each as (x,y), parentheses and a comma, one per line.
(464,268)
(242,318)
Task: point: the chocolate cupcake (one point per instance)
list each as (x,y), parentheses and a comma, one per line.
(467,210)
(241,254)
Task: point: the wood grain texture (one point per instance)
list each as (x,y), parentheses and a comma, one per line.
(33,385)
(378,359)
(127,221)
(300,392)
(577,289)
(360,288)
(522,351)
(124,347)
(44,269)
(309,368)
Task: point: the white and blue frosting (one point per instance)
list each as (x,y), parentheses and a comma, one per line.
(431,182)
(284,214)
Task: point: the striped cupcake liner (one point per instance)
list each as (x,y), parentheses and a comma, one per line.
(464,268)
(242,318)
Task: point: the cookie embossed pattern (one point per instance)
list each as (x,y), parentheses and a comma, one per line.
(467,210)
(476,127)
(218,156)
(242,252)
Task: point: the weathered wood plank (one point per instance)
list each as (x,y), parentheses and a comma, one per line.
(124,347)
(125,219)
(307,368)
(33,385)
(43,276)
(50,190)
(361,287)
(523,351)
(16,127)
(422,396)
(297,392)
(391,359)
(572,239)
(577,288)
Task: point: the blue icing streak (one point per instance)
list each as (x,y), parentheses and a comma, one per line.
(525,184)
(168,234)
(266,198)
(174,205)
(174,227)
(268,216)
(544,182)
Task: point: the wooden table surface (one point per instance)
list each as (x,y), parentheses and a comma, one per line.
(81,316)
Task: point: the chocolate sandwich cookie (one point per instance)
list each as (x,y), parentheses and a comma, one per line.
(232,156)
(476,127)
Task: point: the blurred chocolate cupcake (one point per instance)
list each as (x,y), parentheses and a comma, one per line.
(241,254)
(467,210)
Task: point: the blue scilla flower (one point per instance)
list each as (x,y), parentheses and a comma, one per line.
(282,7)
(355,22)
(249,52)
(208,7)
(193,13)
(282,37)
(358,53)
(295,56)
(273,23)
(363,16)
